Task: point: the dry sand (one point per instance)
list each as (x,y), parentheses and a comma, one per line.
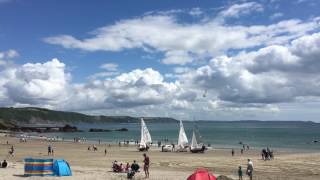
(170,165)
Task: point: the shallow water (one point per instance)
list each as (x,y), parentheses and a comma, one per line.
(285,135)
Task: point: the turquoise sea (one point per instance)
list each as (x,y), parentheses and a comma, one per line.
(281,135)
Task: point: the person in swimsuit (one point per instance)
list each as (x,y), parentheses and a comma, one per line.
(146,162)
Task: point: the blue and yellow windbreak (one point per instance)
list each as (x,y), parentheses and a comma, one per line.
(38,167)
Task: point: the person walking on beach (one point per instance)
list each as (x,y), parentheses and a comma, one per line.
(49,150)
(232,152)
(11,151)
(240,173)
(250,169)
(105,151)
(146,162)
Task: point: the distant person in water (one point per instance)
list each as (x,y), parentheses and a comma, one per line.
(241,151)
(146,165)
(240,173)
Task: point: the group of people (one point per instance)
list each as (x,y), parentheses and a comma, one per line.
(249,170)
(125,168)
(267,154)
(133,168)
(78,139)
(94,148)
(4,164)
(244,148)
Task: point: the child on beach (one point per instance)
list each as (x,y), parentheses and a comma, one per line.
(240,173)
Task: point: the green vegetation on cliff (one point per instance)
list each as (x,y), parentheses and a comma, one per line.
(30,115)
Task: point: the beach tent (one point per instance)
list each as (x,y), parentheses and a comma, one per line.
(61,168)
(201,174)
(38,167)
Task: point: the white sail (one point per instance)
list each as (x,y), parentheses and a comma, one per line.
(183,140)
(145,135)
(194,143)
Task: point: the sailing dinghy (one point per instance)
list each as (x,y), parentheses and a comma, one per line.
(183,140)
(195,146)
(145,137)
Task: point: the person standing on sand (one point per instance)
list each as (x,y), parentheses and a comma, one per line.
(240,173)
(250,169)
(146,162)
(49,150)
(105,151)
(232,152)
(11,151)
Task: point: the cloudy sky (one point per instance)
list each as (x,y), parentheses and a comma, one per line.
(208,59)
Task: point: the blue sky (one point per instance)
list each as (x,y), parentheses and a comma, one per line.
(157,58)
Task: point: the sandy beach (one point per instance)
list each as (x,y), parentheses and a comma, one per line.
(170,165)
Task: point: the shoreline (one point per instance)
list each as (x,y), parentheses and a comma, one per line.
(116,143)
(164,165)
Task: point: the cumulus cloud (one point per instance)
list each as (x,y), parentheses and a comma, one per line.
(129,90)
(182,43)
(259,80)
(270,75)
(38,83)
(249,67)
(35,84)
(238,10)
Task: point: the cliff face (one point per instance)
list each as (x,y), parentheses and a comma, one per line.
(10,117)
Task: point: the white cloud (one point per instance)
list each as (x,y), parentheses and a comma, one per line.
(182,43)
(102,75)
(177,57)
(181,70)
(37,84)
(271,75)
(9,54)
(109,66)
(257,81)
(238,10)
(195,12)
(276,15)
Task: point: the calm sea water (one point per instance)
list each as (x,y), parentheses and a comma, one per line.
(285,135)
